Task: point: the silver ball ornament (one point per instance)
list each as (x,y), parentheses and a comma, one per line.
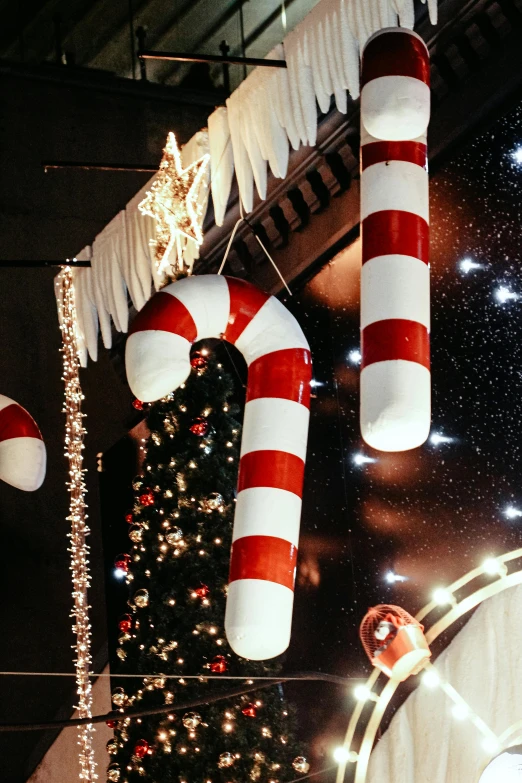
(226,760)
(191,720)
(119,697)
(300,764)
(141,598)
(174,535)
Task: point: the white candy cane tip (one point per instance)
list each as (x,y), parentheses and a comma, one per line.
(258,618)
(395,405)
(23,462)
(157,363)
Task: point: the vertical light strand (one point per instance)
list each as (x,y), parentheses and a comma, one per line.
(74,435)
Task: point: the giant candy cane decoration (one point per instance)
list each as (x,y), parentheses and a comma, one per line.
(395,309)
(22,450)
(273,448)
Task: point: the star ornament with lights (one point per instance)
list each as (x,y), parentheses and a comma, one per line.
(175,204)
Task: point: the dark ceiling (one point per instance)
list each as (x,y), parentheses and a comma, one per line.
(102,34)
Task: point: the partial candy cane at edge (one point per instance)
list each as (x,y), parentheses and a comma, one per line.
(22,450)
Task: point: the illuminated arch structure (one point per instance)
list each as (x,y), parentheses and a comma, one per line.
(503,572)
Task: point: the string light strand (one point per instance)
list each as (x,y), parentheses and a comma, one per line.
(79,550)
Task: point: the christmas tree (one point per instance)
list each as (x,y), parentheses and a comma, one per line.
(177,570)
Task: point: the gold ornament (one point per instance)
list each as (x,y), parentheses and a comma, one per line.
(120,652)
(159,682)
(113,773)
(173,203)
(141,598)
(214,502)
(137,483)
(255,772)
(259,757)
(136,533)
(125,637)
(112,747)
(300,764)
(119,697)
(191,720)
(169,697)
(174,535)
(225,760)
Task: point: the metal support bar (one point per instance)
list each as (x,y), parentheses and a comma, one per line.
(210,58)
(33,264)
(56,164)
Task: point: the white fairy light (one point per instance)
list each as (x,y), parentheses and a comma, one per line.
(342,754)
(315,384)
(119,573)
(442,597)
(74,435)
(512,513)
(362,693)
(431,678)
(494,567)
(460,711)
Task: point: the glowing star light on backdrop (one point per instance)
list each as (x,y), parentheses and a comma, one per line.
(273,449)
(175,204)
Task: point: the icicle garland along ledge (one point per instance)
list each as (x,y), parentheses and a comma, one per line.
(74,435)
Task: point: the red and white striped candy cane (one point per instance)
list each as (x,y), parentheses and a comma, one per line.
(22,450)
(273,448)
(395,307)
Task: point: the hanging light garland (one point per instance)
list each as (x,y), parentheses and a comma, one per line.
(74,434)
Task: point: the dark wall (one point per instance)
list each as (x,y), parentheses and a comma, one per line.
(59,115)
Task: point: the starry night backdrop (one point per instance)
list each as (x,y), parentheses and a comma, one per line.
(390,528)
(431,514)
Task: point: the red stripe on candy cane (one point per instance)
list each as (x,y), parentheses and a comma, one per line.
(167,314)
(285,374)
(384,151)
(393,339)
(15,422)
(393,231)
(278,469)
(245,302)
(263,557)
(389,54)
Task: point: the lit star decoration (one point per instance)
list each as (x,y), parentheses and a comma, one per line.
(173,201)
(74,434)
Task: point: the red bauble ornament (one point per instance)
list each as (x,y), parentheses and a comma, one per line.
(250,711)
(202,591)
(199,427)
(218,665)
(147,499)
(129,519)
(198,361)
(111,723)
(142,748)
(123,562)
(138,404)
(125,624)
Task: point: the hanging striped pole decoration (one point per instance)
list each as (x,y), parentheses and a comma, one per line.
(395,307)
(22,450)
(275,429)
